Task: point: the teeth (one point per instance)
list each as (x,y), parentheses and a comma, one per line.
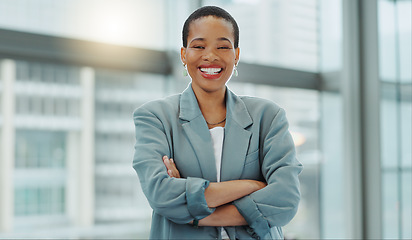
(211,71)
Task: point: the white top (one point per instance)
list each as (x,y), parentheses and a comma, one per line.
(218,134)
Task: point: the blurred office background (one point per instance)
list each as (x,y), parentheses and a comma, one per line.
(73,71)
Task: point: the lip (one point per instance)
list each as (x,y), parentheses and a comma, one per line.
(210,76)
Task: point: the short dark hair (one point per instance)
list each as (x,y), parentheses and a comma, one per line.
(210,11)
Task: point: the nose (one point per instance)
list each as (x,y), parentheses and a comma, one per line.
(210,55)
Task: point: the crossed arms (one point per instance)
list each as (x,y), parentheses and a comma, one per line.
(218,195)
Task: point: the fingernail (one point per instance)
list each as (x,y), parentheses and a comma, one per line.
(164,157)
(171,160)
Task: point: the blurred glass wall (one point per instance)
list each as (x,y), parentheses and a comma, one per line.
(395,75)
(67,133)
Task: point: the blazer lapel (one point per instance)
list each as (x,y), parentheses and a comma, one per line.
(237,138)
(198,133)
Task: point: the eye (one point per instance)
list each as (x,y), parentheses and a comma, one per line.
(224,47)
(198,47)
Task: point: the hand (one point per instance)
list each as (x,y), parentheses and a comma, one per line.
(171,167)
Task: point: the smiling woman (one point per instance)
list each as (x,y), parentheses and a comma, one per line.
(214,165)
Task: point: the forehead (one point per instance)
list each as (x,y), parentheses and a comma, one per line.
(211,26)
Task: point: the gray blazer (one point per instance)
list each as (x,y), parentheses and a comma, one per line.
(257,145)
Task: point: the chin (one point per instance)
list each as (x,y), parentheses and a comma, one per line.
(213,87)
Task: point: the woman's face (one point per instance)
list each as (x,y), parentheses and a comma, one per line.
(210,55)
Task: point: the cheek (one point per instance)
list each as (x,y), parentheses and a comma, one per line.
(230,58)
(191,58)
(230,63)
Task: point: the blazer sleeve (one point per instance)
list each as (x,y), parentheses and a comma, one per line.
(177,199)
(277,203)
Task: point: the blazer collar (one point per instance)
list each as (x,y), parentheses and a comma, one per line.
(236,109)
(189,108)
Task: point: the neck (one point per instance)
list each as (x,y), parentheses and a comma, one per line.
(211,101)
(212,104)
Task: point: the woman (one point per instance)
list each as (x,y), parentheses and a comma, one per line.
(229,168)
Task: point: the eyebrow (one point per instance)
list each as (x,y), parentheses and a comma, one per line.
(224,39)
(220,39)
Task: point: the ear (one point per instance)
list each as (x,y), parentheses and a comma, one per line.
(183,55)
(237,55)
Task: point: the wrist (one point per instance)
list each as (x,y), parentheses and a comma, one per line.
(195,223)
(257,185)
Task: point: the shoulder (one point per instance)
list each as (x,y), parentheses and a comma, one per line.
(160,107)
(260,106)
(267,116)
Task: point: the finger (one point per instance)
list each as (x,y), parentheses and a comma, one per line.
(166,162)
(169,163)
(174,169)
(171,167)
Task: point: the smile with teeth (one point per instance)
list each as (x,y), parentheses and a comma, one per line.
(211,71)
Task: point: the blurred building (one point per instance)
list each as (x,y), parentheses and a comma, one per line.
(72,72)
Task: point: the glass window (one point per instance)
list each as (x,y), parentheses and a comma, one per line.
(396,121)
(387,41)
(42,200)
(40,149)
(118,197)
(404,20)
(406,206)
(39,178)
(389,134)
(124,22)
(390,204)
(46,90)
(406,126)
(333,207)
(332,194)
